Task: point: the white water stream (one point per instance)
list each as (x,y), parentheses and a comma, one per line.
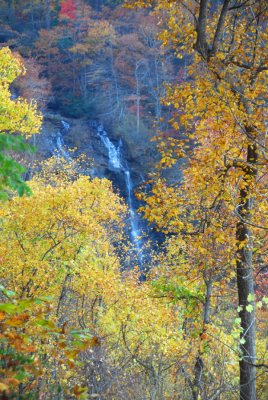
(118,162)
(60,142)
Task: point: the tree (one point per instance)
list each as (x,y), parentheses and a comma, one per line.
(71,53)
(32,85)
(17,117)
(221,110)
(23,19)
(62,240)
(68,9)
(65,243)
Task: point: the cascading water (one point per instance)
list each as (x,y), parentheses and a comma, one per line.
(135,230)
(65,125)
(119,164)
(60,142)
(114,153)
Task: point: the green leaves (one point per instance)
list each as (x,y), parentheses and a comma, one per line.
(265,300)
(16,116)
(11,171)
(8,308)
(178,292)
(6,292)
(45,323)
(251,297)
(249,308)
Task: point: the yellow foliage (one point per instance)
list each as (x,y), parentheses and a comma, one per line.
(16,116)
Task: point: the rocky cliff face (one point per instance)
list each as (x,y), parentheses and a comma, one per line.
(83,136)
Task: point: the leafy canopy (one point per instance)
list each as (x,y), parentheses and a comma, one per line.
(17,116)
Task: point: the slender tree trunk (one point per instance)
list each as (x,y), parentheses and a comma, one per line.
(157,91)
(48,16)
(198,372)
(114,75)
(137,101)
(199,365)
(245,283)
(220,27)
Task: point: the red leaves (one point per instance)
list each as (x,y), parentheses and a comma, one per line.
(68,9)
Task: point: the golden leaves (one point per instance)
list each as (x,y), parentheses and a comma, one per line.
(16,115)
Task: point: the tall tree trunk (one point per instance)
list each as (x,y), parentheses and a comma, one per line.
(201,45)
(245,282)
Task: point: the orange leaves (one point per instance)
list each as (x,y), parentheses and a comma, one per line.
(95,341)
(17,320)
(27,333)
(17,346)
(97,34)
(78,391)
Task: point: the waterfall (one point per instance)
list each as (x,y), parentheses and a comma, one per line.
(119,164)
(60,142)
(135,230)
(114,153)
(65,125)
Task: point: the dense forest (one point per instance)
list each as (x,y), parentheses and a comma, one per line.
(133,199)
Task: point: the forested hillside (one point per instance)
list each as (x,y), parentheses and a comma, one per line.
(133,199)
